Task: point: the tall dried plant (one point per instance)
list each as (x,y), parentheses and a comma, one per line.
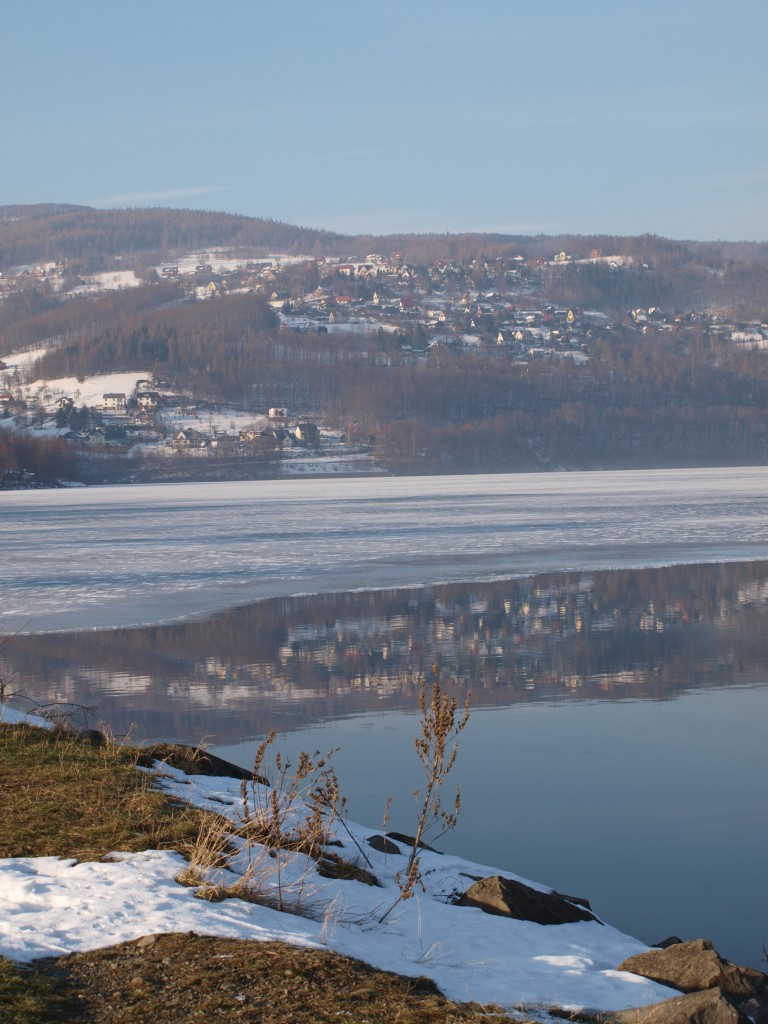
(437,748)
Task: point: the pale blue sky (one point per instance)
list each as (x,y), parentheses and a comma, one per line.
(550,116)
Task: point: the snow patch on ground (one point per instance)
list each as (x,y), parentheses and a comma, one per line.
(11,716)
(108,281)
(20,360)
(231,420)
(331,465)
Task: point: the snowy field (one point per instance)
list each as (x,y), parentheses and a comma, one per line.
(90,391)
(21,360)
(108,281)
(118,556)
(50,906)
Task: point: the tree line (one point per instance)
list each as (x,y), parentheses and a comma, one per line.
(29,316)
(49,459)
(86,236)
(80,233)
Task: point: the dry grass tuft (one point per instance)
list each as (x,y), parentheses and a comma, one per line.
(67,796)
(437,748)
(281,838)
(30,996)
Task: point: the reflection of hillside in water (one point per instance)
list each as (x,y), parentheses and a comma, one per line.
(285,663)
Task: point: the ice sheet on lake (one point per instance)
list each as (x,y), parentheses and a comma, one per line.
(118,556)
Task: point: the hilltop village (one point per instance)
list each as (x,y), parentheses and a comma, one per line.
(380,311)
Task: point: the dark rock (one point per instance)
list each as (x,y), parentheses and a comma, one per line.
(401,837)
(693,966)
(502,896)
(579,900)
(210,764)
(94,737)
(195,761)
(671,940)
(755,1010)
(708,1007)
(423,986)
(333,866)
(382,844)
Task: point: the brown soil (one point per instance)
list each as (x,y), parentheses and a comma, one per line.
(180,978)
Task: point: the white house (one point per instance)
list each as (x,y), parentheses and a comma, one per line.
(115,402)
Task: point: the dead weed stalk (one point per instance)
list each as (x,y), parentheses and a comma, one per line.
(285,824)
(437,749)
(293,813)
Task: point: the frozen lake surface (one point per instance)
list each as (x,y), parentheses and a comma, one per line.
(119,556)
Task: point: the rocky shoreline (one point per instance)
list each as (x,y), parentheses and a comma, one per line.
(714,991)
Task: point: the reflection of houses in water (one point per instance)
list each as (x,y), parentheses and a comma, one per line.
(515,634)
(507,635)
(104,681)
(285,661)
(754,593)
(236,694)
(123,682)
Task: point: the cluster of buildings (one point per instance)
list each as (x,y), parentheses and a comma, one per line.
(485,303)
(146,414)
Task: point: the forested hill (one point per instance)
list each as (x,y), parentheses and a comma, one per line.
(36,211)
(88,237)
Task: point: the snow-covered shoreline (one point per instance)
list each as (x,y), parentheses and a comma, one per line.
(51,906)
